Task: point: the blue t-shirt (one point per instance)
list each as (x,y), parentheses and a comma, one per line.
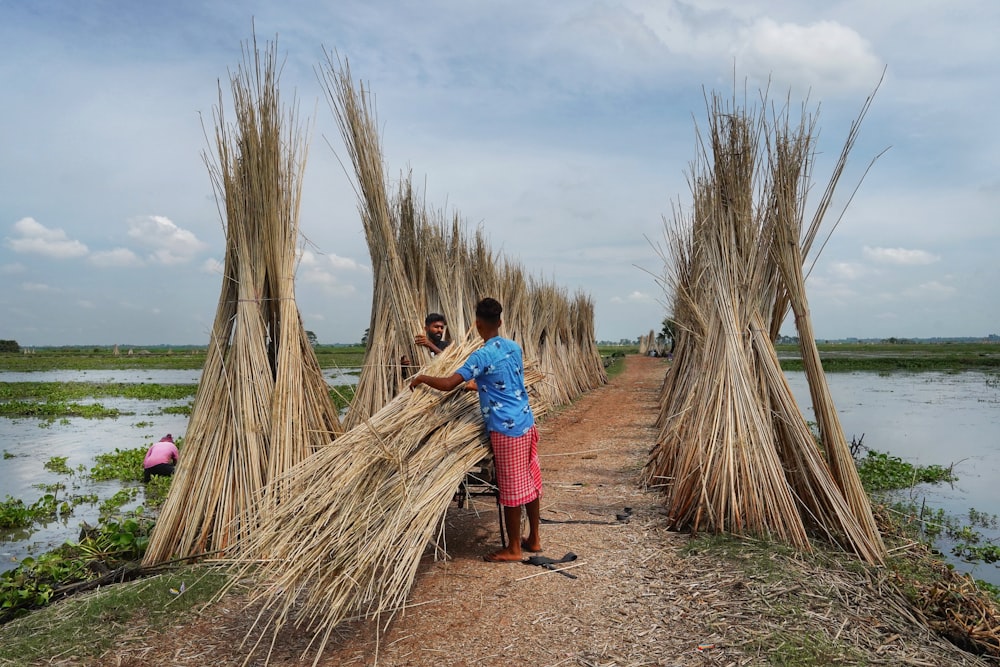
(498,370)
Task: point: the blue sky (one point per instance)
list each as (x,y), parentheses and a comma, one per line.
(564,129)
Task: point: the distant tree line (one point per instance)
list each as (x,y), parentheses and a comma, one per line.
(9,346)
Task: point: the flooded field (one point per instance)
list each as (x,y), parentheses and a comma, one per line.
(27,444)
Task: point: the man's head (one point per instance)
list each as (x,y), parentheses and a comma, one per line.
(434,325)
(488,313)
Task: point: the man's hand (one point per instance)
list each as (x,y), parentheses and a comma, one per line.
(471,385)
(417,380)
(423,340)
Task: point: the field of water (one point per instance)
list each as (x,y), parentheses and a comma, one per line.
(27,444)
(924,418)
(928,418)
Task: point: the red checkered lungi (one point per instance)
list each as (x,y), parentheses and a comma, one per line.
(516,462)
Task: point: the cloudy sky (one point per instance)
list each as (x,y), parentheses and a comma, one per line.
(564,129)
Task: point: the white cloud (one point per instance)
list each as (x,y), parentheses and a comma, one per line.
(900,256)
(169,244)
(825,55)
(848,270)
(36,238)
(14,267)
(932,290)
(38,287)
(345,263)
(326,281)
(213,265)
(119,257)
(633,297)
(85,303)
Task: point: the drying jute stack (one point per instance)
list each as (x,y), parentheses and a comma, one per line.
(423,263)
(395,316)
(262,404)
(361,513)
(734,451)
(356,517)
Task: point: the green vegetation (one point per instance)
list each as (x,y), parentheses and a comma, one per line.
(342,395)
(121,464)
(15,513)
(71,391)
(37,581)
(52,410)
(901,356)
(881,472)
(57,464)
(160,357)
(89,625)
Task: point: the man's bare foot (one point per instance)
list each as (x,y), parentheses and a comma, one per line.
(508,555)
(533,546)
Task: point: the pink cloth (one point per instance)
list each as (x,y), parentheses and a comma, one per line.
(519,475)
(163,451)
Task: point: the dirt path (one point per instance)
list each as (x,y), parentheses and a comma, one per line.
(638,598)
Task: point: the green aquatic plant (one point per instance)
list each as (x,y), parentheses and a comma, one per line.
(35,582)
(57,464)
(156,490)
(121,464)
(881,472)
(115,502)
(53,410)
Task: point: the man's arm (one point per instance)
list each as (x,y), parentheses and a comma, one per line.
(439,383)
(421,339)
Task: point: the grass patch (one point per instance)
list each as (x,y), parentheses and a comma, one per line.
(889,357)
(161,357)
(87,625)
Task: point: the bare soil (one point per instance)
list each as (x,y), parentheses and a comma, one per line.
(639,594)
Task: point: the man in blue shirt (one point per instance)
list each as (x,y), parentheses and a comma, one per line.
(496,371)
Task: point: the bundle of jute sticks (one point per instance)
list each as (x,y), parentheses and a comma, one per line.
(337,528)
(360,513)
(262,403)
(735,452)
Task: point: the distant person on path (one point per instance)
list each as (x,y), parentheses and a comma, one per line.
(496,370)
(432,338)
(161,458)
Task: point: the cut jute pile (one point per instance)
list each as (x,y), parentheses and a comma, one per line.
(735,452)
(262,403)
(357,515)
(422,262)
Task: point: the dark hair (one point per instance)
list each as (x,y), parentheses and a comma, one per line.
(434,317)
(488,310)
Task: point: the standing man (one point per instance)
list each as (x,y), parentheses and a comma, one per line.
(497,372)
(161,458)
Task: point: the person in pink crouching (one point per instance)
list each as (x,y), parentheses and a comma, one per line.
(161,458)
